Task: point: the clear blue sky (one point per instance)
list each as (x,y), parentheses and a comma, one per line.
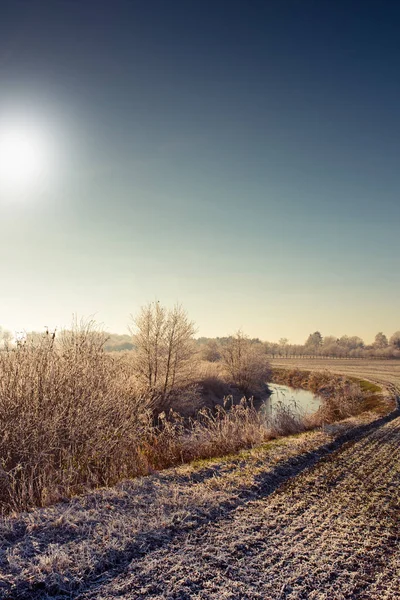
(239,157)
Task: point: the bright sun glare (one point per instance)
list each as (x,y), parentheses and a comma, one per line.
(24,158)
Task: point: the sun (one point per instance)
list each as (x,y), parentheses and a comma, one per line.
(24,158)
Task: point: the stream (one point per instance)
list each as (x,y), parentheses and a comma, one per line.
(304,401)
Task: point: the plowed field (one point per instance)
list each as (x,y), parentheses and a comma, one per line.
(315,516)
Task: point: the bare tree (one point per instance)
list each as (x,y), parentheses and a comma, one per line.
(395,340)
(284,346)
(313,342)
(5,337)
(165,351)
(381,341)
(211,351)
(245,362)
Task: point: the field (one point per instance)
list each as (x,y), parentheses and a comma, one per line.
(332,532)
(378,371)
(316,516)
(313,516)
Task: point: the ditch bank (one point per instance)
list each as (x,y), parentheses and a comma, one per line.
(341,395)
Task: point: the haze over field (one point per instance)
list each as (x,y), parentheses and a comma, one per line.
(199,308)
(241,158)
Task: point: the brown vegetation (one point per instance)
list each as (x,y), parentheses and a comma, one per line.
(70,418)
(225,528)
(75,417)
(342,396)
(226,430)
(245,363)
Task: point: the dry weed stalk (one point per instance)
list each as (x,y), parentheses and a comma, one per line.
(70,418)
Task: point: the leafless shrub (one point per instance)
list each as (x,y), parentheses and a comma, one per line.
(165,354)
(211,351)
(245,363)
(70,418)
(212,433)
(286,419)
(346,400)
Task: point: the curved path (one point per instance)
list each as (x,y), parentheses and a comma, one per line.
(332,532)
(315,517)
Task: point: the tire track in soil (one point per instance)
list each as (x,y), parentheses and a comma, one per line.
(148,544)
(331,532)
(281,478)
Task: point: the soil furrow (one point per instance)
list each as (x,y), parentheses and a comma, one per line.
(308,539)
(229,531)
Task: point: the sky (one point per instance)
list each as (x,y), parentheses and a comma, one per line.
(241,158)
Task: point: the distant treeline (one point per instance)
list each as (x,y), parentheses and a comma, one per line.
(316,345)
(117,343)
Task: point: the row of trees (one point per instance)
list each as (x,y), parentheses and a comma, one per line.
(315,345)
(343,347)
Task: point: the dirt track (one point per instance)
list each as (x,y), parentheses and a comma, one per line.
(330,533)
(313,517)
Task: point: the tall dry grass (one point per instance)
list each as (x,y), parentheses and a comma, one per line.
(286,419)
(73,417)
(225,430)
(70,418)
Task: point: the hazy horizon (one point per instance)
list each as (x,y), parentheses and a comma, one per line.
(241,159)
(16,332)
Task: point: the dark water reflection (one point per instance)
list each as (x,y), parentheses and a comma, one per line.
(302,400)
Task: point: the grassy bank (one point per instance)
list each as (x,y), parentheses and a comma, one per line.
(74,417)
(342,395)
(67,548)
(63,549)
